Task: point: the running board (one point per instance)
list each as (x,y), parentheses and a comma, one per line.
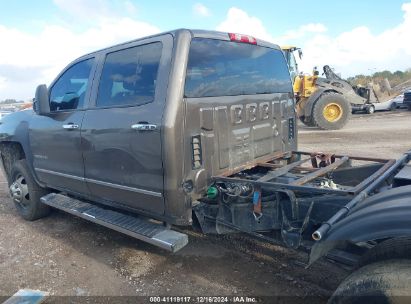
(134,226)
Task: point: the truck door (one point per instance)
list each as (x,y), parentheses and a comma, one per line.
(55,138)
(122,133)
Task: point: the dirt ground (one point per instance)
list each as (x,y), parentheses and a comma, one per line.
(67,256)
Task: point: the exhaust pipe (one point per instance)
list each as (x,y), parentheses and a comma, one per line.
(391,169)
(316,236)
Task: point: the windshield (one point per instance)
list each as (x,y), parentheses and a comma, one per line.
(225,68)
(292,65)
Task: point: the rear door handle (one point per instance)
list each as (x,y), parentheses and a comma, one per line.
(144,127)
(70,126)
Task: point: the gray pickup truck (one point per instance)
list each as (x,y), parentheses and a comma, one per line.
(197,129)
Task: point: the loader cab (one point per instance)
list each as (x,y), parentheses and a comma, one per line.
(291,60)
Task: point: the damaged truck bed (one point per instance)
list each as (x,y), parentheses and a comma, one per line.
(297,198)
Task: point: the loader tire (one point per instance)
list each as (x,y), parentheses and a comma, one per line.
(331,111)
(382,282)
(308,122)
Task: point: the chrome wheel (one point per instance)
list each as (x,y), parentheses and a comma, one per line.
(19,192)
(26,193)
(371,110)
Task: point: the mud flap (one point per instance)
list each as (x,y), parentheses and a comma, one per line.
(291,232)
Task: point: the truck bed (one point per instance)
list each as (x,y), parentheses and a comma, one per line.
(311,172)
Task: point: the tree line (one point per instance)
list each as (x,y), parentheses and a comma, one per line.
(395,78)
(10,101)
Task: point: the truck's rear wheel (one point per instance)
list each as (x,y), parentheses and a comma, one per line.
(331,111)
(382,282)
(394,248)
(26,193)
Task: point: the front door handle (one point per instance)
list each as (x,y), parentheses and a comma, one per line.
(144,127)
(70,126)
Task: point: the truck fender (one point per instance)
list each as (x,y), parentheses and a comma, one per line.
(385,215)
(14,129)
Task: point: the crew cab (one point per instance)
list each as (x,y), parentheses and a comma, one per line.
(198,128)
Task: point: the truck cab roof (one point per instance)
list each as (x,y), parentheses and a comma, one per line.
(193,32)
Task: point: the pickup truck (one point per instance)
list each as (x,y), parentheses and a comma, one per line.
(194,128)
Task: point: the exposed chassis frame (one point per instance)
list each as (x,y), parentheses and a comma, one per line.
(329,163)
(309,173)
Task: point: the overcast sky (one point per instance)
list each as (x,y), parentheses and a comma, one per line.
(39,38)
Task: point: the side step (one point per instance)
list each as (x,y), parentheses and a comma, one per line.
(134,226)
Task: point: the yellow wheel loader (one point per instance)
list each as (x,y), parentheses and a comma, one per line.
(327,102)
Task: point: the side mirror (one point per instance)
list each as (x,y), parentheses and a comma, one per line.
(41,101)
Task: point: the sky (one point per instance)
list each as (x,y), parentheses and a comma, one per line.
(39,38)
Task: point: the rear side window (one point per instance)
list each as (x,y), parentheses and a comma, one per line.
(69,91)
(129,76)
(225,68)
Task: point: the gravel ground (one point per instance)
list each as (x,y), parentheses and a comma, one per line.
(67,256)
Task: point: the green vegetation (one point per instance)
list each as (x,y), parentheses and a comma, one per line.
(395,78)
(9,101)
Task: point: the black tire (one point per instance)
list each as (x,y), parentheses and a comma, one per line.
(396,248)
(393,106)
(324,101)
(308,122)
(370,110)
(409,107)
(382,282)
(26,193)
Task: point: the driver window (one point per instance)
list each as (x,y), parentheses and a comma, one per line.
(69,91)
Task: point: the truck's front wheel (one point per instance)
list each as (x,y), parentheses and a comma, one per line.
(26,193)
(383,282)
